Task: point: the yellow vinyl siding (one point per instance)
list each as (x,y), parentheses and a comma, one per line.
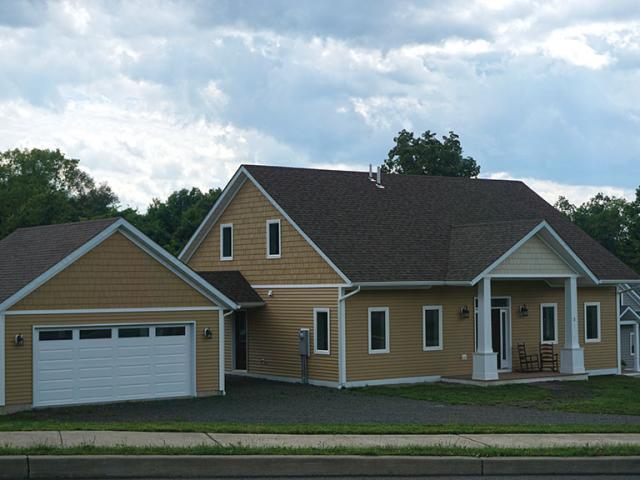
(531,258)
(115,274)
(273,333)
(19,359)
(406,357)
(249,212)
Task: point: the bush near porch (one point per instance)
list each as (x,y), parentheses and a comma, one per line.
(607,395)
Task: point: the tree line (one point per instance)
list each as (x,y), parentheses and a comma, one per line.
(39,187)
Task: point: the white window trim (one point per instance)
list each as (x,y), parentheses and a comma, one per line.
(632,344)
(599,337)
(270,222)
(555,323)
(315,331)
(440,345)
(222,227)
(386,329)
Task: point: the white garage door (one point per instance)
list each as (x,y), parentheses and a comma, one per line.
(103,364)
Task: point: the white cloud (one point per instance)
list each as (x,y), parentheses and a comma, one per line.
(576,194)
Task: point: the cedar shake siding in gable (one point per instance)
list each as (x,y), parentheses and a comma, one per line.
(273,333)
(406,357)
(249,212)
(115,274)
(534,257)
(19,359)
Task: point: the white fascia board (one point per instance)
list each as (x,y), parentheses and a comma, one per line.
(295,225)
(408,284)
(229,192)
(537,229)
(176,266)
(61,265)
(629,309)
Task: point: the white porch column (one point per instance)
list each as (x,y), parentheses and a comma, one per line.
(485,361)
(572,355)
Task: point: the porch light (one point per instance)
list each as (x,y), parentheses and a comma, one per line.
(464,312)
(207,333)
(524,311)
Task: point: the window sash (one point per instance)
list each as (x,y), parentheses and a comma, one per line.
(432,327)
(379,330)
(321,330)
(592,322)
(549,323)
(273,238)
(226,242)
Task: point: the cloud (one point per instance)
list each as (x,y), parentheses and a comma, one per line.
(158,95)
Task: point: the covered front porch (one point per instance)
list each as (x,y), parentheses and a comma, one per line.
(535,350)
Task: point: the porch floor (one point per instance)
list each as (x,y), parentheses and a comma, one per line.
(507,378)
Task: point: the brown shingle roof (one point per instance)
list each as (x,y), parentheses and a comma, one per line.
(233,285)
(27,253)
(420,228)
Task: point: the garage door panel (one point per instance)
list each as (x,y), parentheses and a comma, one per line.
(89,370)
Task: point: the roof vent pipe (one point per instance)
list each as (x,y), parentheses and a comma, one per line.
(379,180)
(371,173)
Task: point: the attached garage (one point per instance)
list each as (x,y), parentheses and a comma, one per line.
(95,312)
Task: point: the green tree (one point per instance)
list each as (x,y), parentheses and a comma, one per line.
(39,187)
(427,155)
(612,221)
(171,223)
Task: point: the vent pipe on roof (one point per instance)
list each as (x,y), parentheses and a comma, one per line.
(371,173)
(379,180)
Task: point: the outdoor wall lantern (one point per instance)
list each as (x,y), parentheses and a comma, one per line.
(524,311)
(207,333)
(464,312)
(19,340)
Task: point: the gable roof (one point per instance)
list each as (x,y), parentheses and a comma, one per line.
(234,285)
(31,256)
(418,228)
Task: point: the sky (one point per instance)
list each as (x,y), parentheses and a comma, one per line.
(157,96)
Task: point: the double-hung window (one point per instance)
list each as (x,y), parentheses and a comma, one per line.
(379,330)
(273,238)
(592,322)
(549,323)
(321,331)
(432,327)
(226,241)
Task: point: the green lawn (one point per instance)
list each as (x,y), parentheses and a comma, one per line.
(618,450)
(610,394)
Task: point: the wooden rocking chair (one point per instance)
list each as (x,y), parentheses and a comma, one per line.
(548,358)
(528,363)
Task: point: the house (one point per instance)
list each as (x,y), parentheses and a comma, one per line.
(406,278)
(629,324)
(95,311)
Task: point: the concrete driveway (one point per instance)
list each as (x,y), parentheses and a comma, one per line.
(262,401)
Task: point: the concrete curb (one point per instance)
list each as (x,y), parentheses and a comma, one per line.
(14,467)
(123,466)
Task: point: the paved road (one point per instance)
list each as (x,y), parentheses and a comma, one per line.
(260,401)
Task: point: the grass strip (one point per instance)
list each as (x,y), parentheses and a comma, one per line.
(616,450)
(310,428)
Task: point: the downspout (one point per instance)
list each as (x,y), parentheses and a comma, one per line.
(342,336)
(221,367)
(2,360)
(619,356)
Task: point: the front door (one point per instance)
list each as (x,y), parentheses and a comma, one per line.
(501,337)
(240,341)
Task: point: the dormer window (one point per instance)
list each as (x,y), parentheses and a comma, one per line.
(273,238)
(226,241)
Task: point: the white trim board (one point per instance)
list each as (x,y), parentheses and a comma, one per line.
(624,312)
(2,360)
(602,371)
(89,311)
(393,381)
(278,378)
(142,241)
